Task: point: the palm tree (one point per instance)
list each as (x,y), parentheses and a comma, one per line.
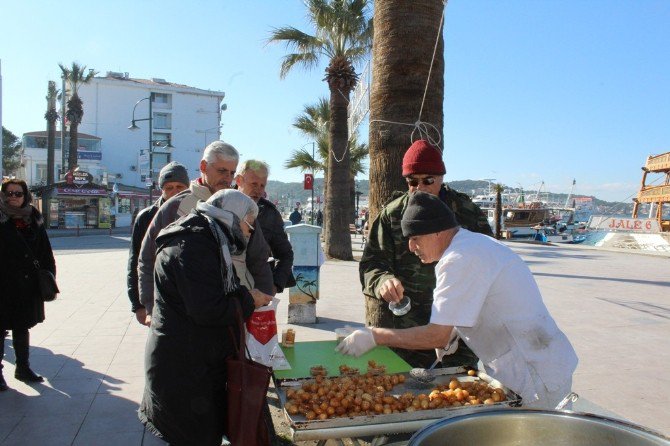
(405,36)
(343,36)
(75,78)
(51,116)
(314,123)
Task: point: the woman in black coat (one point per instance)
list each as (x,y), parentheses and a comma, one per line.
(23,242)
(197,294)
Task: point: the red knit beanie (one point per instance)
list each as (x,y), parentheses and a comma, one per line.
(422,158)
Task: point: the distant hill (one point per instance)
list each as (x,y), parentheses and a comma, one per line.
(287,194)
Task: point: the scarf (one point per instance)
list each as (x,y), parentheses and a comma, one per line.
(216,218)
(6,212)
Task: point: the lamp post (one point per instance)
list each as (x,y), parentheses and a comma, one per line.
(134,127)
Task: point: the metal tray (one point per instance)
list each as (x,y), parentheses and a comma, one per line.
(400,420)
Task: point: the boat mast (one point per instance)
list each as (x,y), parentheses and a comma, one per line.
(567,200)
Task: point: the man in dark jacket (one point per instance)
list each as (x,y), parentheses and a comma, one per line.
(217,171)
(173,178)
(388,270)
(251,181)
(295,216)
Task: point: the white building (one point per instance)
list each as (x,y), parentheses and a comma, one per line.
(184,117)
(184,120)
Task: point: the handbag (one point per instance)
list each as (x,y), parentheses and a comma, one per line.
(247,385)
(45,279)
(47,283)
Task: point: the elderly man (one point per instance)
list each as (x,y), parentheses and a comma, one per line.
(251,181)
(487,295)
(388,270)
(173,178)
(217,170)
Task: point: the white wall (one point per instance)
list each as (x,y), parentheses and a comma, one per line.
(108,109)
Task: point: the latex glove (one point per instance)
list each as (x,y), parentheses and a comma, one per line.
(451,346)
(357,343)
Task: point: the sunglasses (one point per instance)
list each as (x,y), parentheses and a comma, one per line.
(12,193)
(414,182)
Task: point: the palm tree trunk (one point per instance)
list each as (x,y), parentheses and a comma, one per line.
(337,240)
(404,39)
(74,142)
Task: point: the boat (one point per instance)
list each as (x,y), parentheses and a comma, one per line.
(549,234)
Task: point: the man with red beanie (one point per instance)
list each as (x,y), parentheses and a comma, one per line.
(389,271)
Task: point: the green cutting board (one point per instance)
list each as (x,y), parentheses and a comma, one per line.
(307,354)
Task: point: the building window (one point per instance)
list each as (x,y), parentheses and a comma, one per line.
(162,100)
(40,173)
(162,139)
(162,121)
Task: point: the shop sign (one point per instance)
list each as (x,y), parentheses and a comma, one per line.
(78,177)
(77,191)
(96,156)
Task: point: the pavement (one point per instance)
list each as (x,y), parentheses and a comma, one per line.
(614,306)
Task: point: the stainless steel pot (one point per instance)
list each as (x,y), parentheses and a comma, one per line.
(507,427)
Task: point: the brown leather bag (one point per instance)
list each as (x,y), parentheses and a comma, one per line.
(248,383)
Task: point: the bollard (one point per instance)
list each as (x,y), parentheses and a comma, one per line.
(307,260)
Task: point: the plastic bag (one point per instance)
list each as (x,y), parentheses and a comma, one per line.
(262,340)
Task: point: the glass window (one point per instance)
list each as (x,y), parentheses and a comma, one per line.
(40,173)
(161,139)
(124,206)
(162,121)
(162,100)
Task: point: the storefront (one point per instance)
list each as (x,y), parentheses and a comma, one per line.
(77,202)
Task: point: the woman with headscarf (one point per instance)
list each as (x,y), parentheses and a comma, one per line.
(197,296)
(25,248)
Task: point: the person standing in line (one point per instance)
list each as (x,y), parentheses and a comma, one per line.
(388,270)
(172,179)
(217,170)
(251,181)
(487,295)
(25,248)
(194,327)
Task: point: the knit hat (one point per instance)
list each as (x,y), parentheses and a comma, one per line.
(422,158)
(173,172)
(426,214)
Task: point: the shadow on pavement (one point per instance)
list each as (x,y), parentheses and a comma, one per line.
(77,404)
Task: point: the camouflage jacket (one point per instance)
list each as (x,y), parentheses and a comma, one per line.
(387,255)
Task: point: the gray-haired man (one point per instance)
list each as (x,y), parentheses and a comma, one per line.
(217,170)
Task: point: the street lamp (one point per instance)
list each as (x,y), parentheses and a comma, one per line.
(134,127)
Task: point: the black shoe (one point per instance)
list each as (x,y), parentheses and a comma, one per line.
(27,376)
(3,384)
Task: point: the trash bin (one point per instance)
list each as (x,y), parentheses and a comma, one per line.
(307,260)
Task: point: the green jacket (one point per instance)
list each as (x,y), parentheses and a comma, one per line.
(387,255)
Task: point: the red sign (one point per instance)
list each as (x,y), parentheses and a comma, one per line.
(309,181)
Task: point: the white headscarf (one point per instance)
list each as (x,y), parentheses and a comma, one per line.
(228,207)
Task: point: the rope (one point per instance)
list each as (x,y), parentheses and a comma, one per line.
(432,60)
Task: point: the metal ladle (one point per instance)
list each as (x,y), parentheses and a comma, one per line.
(424,375)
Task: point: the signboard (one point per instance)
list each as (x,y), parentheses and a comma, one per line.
(104,213)
(77,191)
(606,223)
(359,104)
(97,156)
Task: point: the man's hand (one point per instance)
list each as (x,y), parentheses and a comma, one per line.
(142,316)
(391,290)
(357,343)
(260,298)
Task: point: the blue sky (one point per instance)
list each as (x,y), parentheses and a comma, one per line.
(534,90)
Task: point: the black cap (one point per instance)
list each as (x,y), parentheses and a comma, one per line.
(426,214)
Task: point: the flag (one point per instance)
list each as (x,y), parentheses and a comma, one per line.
(309,181)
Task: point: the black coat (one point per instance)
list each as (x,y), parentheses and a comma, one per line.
(272,225)
(20,303)
(185,391)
